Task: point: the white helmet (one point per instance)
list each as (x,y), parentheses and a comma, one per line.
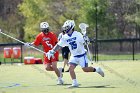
(68,25)
(44,26)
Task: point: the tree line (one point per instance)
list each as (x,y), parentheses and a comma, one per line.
(114,19)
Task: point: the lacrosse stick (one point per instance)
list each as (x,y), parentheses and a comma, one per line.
(83,27)
(20,41)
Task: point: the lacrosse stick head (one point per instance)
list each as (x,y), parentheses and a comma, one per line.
(83,27)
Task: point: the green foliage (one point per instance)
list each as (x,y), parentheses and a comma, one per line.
(2,37)
(33,12)
(56,13)
(133,16)
(96,10)
(10,26)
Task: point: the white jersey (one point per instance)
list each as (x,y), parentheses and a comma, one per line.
(60,36)
(75,42)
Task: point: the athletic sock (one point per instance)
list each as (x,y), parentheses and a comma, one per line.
(59,78)
(74,81)
(97,69)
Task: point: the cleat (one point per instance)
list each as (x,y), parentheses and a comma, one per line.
(60,82)
(62,69)
(100,71)
(67,70)
(73,86)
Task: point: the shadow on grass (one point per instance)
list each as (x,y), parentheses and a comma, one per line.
(60,85)
(101,86)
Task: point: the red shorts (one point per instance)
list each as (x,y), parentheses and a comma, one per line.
(55,59)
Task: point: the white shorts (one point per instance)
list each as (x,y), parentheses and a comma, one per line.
(82,61)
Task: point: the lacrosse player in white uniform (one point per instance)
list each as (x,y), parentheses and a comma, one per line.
(74,40)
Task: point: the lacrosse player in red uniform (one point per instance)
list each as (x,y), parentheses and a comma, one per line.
(48,40)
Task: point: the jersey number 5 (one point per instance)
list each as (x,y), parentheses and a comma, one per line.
(47,42)
(73,45)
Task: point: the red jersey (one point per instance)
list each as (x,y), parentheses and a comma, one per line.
(48,40)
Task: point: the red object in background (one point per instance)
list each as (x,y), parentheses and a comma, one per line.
(38,61)
(7,52)
(29,60)
(16,52)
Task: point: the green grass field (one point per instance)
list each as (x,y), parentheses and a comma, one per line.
(120,77)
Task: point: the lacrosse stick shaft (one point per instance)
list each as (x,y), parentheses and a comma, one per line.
(21,42)
(89,52)
(83,27)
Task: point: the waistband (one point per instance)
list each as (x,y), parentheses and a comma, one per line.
(80,55)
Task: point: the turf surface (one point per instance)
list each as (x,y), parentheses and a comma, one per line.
(120,77)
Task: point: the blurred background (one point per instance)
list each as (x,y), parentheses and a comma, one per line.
(114,25)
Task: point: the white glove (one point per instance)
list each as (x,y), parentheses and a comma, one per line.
(27,44)
(85,50)
(87,41)
(50,54)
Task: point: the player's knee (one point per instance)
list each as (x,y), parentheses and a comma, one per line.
(48,68)
(54,67)
(71,68)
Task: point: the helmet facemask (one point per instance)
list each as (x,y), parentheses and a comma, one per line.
(45,30)
(68,26)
